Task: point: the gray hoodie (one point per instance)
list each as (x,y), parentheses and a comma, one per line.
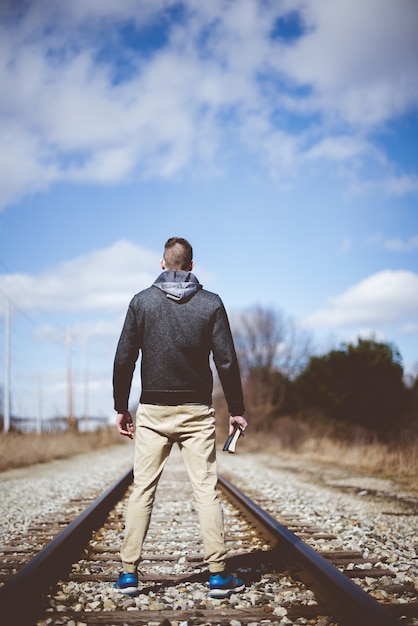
(177,284)
(176,325)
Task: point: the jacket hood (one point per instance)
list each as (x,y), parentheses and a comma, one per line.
(178,285)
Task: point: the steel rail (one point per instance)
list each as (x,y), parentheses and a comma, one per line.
(345,600)
(20,598)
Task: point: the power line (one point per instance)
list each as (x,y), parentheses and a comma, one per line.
(29,298)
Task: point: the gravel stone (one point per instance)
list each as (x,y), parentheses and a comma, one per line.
(29,494)
(366,514)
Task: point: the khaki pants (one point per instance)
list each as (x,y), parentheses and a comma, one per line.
(192,426)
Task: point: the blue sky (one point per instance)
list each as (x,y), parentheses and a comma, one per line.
(280,137)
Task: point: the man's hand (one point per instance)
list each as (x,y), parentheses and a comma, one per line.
(125,424)
(237,419)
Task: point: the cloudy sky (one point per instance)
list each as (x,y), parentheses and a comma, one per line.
(280,137)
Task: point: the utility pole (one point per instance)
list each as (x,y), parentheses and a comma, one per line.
(6,417)
(86,385)
(39,419)
(70,416)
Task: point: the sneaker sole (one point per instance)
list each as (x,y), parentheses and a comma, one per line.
(127,590)
(225,593)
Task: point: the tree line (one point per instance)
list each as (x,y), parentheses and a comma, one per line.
(360,383)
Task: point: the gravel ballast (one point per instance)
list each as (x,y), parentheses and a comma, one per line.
(37,491)
(367,514)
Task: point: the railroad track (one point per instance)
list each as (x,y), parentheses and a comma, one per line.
(70,580)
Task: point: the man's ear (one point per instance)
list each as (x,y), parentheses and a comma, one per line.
(191,266)
(162,263)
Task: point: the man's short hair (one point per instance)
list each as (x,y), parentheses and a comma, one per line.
(178,254)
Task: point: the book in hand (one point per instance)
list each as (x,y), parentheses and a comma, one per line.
(231,440)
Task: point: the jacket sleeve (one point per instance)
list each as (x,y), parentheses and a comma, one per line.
(226,362)
(125,360)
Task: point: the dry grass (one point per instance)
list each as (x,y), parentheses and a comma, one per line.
(311,439)
(323,442)
(22,449)
(375,458)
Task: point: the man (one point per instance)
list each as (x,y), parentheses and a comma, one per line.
(176,324)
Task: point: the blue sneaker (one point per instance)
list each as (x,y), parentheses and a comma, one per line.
(223,585)
(127,583)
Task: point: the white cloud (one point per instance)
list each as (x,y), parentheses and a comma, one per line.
(216,81)
(390,184)
(383,298)
(401,185)
(358,57)
(102,281)
(338,149)
(401,245)
(411,328)
(394,244)
(345,246)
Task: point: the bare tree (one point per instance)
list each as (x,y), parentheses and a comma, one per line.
(271,351)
